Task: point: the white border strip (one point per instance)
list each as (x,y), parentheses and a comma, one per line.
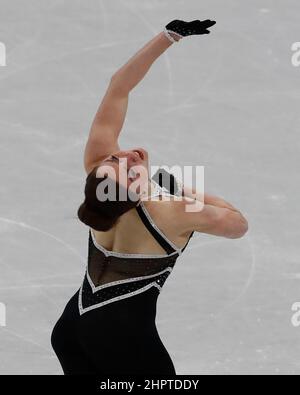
(177,250)
(123,255)
(125,281)
(84,310)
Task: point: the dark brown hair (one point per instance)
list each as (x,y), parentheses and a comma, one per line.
(102,215)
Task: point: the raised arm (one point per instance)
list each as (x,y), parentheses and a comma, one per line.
(110,117)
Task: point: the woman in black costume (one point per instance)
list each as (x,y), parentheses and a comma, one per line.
(108,326)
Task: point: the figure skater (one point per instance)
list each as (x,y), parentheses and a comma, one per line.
(108,326)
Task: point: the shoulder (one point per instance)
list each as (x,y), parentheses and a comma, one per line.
(173,214)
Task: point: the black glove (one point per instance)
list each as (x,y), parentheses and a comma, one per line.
(184,29)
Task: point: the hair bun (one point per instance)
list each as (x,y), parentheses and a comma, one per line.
(101,215)
(91,218)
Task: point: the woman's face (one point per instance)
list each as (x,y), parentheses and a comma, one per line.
(128,168)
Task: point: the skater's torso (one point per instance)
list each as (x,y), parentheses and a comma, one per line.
(108,326)
(130,236)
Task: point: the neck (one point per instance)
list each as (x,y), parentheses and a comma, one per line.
(148,189)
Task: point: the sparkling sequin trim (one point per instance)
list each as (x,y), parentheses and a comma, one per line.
(83,310)
(123,255)
(99,287)
(91,297)
(158,190)
(169,36)
(177,250)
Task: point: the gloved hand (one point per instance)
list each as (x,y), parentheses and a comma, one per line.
(183,29)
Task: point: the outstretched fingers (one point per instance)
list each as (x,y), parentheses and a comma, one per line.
(208,23)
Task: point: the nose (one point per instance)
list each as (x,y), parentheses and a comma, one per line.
(132,158)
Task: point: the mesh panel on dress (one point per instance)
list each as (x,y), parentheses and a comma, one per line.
(106,269)
(111,276)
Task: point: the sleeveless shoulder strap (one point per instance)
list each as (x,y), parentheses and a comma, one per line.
(191,235)
(166,244)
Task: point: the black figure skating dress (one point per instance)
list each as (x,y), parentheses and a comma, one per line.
(108,326)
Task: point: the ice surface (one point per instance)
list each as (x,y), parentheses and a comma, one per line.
(228,101)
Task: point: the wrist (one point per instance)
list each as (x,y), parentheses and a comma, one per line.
(172,36)
(175,36)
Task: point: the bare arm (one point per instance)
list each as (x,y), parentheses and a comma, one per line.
(208,199)
(217,217)
(110,116)
(129,75)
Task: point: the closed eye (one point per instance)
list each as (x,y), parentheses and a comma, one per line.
(113,159)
